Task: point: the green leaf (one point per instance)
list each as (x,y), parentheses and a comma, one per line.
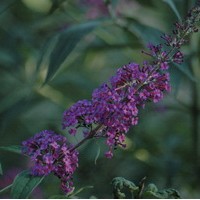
(120,183)
(170,193)
(1,170)
(152,191)
(146,33)
(12,148)
(173,7)
(66,42)
(23,184)
(185,70)
(152,187)
(45,51)
(163,194)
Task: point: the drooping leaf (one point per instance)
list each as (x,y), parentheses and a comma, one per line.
(12,148)
(103,47)
(146,33)
(23,184)
(173,7)
(45,51)
(66,42)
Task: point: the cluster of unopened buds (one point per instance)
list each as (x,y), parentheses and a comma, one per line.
(113,108)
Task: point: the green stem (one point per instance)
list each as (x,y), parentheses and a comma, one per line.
(90,135)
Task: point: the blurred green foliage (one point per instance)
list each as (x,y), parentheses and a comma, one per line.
(164,146)
(141,191)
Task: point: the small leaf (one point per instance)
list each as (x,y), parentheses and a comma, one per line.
(66,42)
(12,148)
(97,155)
(119,183)
(23,184)
(1,170)
(173,7)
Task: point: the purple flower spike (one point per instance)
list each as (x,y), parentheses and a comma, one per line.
(115,104)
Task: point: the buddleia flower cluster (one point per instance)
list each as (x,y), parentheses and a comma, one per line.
(50,153)
(113,108)
(115,104)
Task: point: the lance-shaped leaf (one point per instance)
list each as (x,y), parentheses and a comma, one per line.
(12,148)
(173,7)
(23,184)
(66,42)
(146,33)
